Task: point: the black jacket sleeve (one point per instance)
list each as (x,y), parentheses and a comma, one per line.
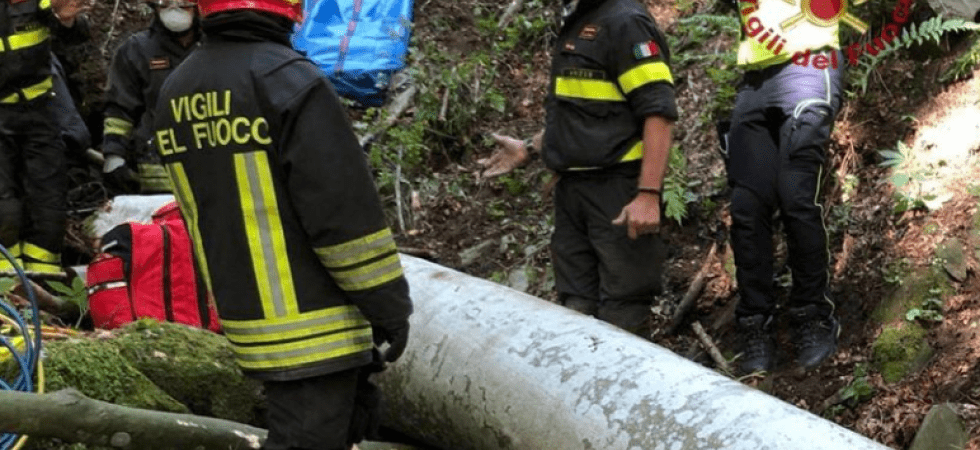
(640,60)
(124,99)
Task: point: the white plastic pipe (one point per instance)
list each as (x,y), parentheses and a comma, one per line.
(490,368)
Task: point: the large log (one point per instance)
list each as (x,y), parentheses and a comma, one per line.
(490,368)
(73,417)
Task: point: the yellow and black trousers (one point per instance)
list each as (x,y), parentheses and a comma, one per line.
(33,185)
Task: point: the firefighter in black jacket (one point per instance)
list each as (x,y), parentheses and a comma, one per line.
(33,179)
(287,224)
(610,110)
(138,69)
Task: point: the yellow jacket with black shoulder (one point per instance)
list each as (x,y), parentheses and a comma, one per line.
(610,71)
(280,203)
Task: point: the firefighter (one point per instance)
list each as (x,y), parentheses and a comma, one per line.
(287,224)
(33,178)
(610,111)
(776,141)
(138,69)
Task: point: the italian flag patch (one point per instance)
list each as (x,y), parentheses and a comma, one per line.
(646,50)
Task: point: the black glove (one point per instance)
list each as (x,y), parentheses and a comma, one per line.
(396,335)
(123,179)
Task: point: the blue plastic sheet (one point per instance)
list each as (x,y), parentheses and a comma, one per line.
(360,44)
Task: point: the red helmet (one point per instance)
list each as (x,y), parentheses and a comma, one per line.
(291,9)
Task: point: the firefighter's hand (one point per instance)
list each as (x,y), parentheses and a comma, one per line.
(640,216)
(396,335)
(511,155)
(67,10)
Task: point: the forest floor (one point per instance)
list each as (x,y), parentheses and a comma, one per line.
(500,228)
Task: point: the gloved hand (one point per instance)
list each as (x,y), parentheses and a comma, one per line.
(119,176)
(396,335)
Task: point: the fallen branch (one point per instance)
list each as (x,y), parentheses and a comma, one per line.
(112,27)
(511,9)
(716,355)
(693,291)
(394,110)
(72,417)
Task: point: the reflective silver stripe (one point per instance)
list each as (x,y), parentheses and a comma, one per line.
(266,239)
(357,250)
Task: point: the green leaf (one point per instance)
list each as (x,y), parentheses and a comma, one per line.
(61,287)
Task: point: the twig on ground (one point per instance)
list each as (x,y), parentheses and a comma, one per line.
(398,190)
(511,9)
(716,355)
(693,291)
(108,35)
(394,110)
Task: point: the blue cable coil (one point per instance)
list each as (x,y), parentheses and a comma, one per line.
(26,359)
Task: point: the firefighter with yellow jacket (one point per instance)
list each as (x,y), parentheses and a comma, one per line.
(33,178)
(287,224)
(779,131)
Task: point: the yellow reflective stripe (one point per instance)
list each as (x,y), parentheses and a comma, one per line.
(185,198)
(27,39)
(635,153)
(30,92)
(14,251)
(368,276)
(303,352)
(647,73)
(115,125)
(266,240)
(293,327)
(154,177)
(45,4)
(40,254)
(588,89)
(357,250)
(40,267)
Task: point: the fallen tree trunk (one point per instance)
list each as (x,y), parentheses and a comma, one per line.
(491,368)
(72,417)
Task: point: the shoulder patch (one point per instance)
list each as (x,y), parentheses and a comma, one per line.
(159,63)
(589,32)
(646,50)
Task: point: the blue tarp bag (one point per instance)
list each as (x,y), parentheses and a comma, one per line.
(360,44)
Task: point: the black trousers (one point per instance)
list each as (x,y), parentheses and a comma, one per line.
(33,178)
(780,129)
(327,412)
(599,270)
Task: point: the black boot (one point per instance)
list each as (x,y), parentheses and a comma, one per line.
(814,335)
(758,345)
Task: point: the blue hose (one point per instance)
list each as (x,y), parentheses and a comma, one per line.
(27,360)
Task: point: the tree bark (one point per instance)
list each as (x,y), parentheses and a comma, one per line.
(72,417)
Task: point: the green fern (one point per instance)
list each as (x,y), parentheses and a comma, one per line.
(930,30)
(676,194)
(965,63)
